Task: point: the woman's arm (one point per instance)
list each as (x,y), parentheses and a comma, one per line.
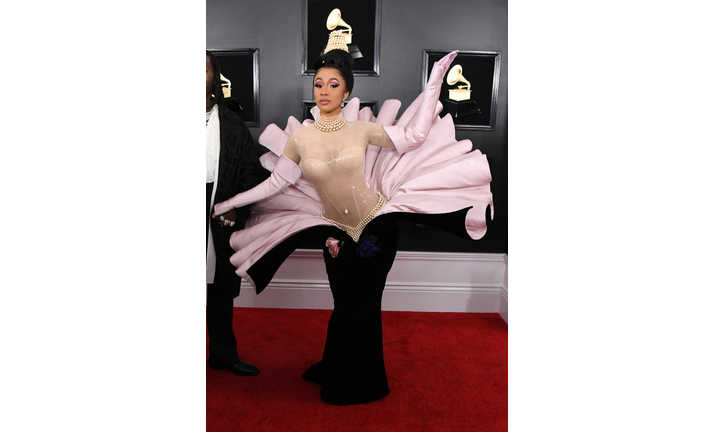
(406,138)
(286,171)
(377,136)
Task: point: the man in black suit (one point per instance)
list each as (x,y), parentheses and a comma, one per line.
(232,167)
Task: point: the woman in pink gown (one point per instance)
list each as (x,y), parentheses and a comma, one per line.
(347,177)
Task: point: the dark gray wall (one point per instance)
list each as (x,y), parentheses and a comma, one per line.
(408,27)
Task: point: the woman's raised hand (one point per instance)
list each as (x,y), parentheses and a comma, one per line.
(448,59)
(440,70)
(411,136)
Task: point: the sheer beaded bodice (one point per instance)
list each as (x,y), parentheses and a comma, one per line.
(333,162)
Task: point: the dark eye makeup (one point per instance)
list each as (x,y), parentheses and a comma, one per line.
(332,84)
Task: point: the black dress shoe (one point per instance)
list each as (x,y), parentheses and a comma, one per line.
(239,368)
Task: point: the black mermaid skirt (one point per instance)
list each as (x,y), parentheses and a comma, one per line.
(352,370)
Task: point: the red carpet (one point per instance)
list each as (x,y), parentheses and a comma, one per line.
(447,372)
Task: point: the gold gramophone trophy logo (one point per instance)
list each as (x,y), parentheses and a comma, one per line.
(461,92)
(341,36)
(228,101)
(460,102)
(334,20)
(226,86)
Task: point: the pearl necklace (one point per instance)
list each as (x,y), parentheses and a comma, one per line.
(330,125)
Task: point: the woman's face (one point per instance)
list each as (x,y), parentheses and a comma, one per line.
(209,77)
(329,91)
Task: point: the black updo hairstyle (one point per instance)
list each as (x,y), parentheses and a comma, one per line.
(340,60)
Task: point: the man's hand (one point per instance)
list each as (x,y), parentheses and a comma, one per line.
(227,219)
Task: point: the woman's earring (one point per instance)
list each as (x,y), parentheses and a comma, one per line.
(343,105)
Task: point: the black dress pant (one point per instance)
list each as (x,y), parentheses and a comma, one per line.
(219,320)
(219,308)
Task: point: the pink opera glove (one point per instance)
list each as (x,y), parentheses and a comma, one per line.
(285,172)
(411,136)
(447,60)
(333,246)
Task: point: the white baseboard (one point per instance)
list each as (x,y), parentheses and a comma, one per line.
(418,281)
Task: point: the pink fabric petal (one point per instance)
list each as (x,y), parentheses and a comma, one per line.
(350,111)
(366,115)
(388,112)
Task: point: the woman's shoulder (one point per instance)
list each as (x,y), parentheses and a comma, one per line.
(299,136)
(363,123)
(364,126)
(301,132)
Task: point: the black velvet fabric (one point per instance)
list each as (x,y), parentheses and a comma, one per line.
(263,270)
(209,189)
(352,369)
(239,170)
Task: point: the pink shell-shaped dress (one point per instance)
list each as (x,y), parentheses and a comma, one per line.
(441,176)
